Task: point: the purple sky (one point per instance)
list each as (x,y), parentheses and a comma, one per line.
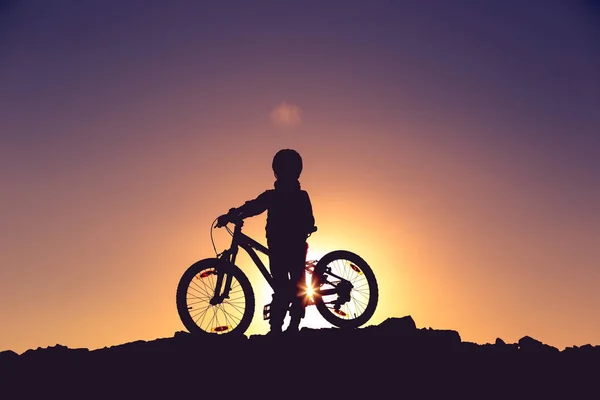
(469,131)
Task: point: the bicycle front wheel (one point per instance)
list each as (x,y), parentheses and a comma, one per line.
(347,289)
(195,291)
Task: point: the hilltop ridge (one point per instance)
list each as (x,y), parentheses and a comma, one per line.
(392,356)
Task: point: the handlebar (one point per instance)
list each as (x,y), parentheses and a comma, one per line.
(225,219)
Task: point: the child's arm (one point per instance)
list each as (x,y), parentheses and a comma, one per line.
(248,209)
(253,207)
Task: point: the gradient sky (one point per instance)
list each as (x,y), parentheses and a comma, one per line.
(454,145)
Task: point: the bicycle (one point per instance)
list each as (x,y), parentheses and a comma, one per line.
(214,296)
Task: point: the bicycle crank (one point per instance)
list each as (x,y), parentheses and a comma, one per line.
(343,290)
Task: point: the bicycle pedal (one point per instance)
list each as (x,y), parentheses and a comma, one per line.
(267,312)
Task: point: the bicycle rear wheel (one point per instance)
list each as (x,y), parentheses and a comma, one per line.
(347,289)
(195,290)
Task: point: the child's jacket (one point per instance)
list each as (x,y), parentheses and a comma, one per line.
(289,212)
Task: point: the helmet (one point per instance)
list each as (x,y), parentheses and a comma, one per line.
(287,164)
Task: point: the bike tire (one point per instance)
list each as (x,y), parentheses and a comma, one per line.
(233,315)
(363,297)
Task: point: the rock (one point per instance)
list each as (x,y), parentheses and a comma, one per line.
(181,335)
(470,346)
(439,338)
(528,344)
(8,358)
(398,325)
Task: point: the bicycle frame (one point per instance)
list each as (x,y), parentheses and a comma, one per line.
(227,259)
(251,246)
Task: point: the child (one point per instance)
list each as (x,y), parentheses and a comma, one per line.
(290,221)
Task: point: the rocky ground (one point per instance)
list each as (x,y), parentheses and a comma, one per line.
(394,359)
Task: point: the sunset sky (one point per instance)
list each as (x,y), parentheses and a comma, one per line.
(455,145)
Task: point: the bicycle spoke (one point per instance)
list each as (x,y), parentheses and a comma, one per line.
(199,290)
(203,315)
(214,318)
(228,315)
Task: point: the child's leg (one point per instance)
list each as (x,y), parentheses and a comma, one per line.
(281,282)
(297,262)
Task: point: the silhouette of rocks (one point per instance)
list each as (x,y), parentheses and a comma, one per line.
(396,326)
(7,357)
(531,345)
(394,358)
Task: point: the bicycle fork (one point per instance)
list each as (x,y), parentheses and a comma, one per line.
(221,293)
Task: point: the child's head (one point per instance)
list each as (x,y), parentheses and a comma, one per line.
(287,164)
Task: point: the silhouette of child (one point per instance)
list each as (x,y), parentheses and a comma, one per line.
(290,221)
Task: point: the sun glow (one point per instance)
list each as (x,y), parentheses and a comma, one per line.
(312,318)
(310,291)
(312,257)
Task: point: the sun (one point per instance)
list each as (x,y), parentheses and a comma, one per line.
(310,291)
(312,318)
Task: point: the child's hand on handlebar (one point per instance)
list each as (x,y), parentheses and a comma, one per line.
(225,218)
(222,221)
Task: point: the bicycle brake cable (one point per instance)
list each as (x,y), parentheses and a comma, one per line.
(212,226)
(212,239)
